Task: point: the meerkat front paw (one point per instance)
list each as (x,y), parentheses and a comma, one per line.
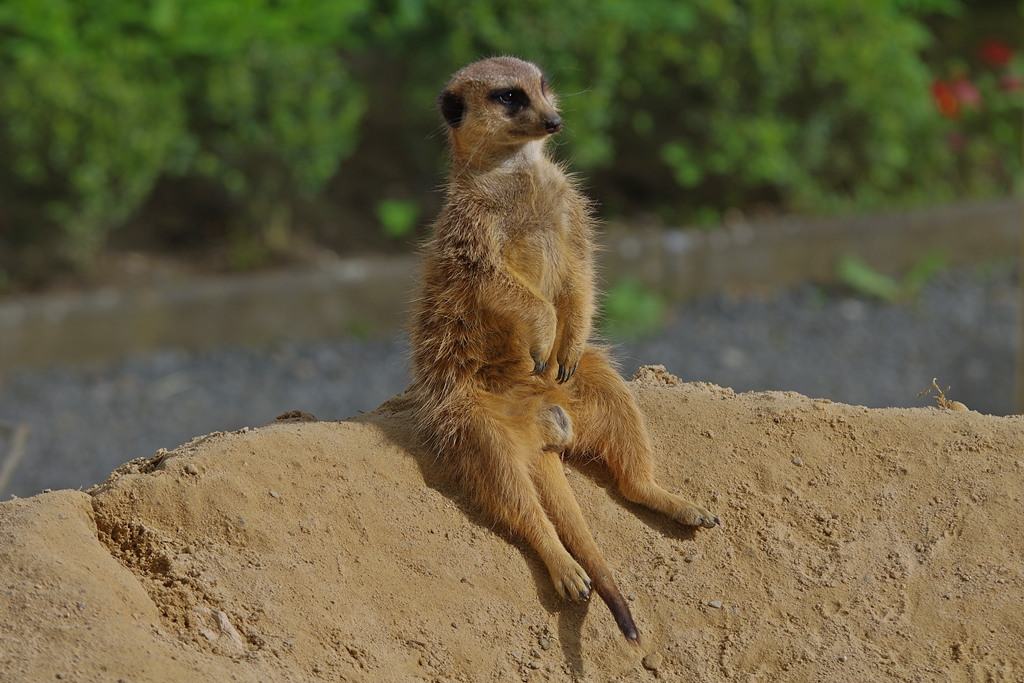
(564,372)
(569,359)
(692,515)
(572,583)
(540,352)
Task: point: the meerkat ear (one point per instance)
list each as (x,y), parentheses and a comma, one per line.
(453,108)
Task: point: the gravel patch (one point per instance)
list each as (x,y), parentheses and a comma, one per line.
(960,329)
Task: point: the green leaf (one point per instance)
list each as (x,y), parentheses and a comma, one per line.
(854,272)
(930,265)
(685,168)
(630,310)
(398,216)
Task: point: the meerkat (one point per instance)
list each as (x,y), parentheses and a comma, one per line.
(506,377)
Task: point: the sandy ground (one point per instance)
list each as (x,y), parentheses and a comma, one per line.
(856,545)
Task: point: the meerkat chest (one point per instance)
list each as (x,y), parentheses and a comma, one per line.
(537,246)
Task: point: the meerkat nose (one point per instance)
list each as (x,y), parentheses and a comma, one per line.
(553,123)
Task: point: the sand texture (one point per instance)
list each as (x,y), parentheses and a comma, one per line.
(855,545)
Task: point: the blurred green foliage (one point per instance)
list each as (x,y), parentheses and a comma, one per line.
(695,107)
(812,104)
(398,216)
(98,98)
(858,275)
(631,310)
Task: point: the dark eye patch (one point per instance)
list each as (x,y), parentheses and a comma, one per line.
(513,99)
(453,108)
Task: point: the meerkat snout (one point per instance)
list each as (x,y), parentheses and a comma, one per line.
(552,123)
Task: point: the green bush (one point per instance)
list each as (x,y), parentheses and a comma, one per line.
(685,108)
(99,98)
(814,105)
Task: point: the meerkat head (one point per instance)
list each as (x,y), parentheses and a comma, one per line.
(495,107)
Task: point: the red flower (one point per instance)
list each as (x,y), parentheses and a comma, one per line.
(945,100)
(966,93)
(995,52)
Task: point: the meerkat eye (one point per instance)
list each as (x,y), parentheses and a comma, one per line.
(513,99)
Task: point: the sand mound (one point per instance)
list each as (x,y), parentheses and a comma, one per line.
(856,544)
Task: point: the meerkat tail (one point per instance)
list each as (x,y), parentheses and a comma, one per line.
(609,592)
(565,514)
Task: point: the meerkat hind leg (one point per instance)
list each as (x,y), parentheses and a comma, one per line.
(564,511)
(608,424)
(499,471)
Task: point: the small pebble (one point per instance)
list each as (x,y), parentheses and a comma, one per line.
(544,643)
(454,625)
(717,604)
(274,494)
(632,597)
(690,558)
(652,661)
(191,469)
(798,462)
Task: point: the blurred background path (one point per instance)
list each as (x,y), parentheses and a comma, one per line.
(960,329)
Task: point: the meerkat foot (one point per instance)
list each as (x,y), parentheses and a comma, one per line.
(692,515)
(572,583)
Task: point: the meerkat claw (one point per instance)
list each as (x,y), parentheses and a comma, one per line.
(695,516)
(708,522)
(574,585)
(564,372)
(539,367)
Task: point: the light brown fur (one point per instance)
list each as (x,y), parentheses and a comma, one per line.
(505,376)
